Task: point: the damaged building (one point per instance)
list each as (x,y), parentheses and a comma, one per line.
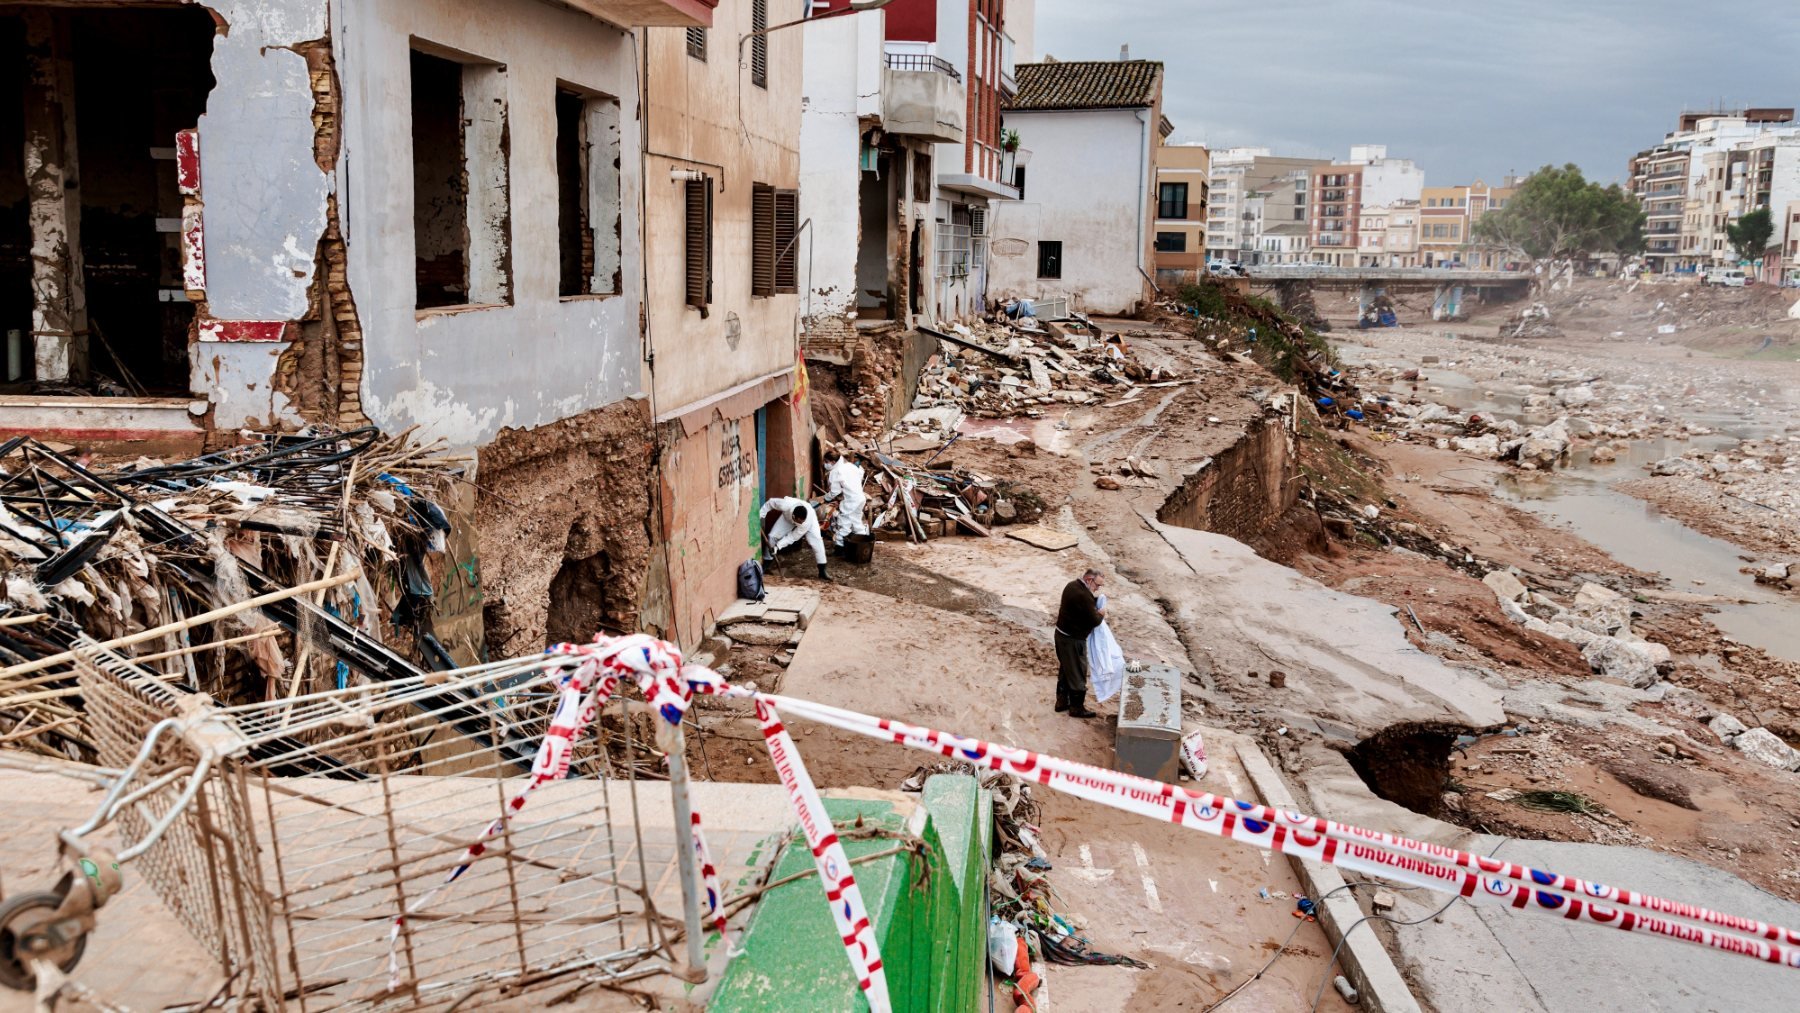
(265,215)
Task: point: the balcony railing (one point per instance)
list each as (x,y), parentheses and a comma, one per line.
(922,63)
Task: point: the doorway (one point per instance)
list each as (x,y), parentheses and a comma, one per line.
(874,299)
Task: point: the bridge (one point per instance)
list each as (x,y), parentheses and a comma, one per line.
(1293,284)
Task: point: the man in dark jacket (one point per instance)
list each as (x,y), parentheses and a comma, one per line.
(1077,617)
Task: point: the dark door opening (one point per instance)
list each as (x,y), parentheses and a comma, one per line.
(131,80)
(874,299)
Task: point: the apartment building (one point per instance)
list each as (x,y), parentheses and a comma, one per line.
(1388,235)
(1762,173)
(727,261)
(1447,224)
(1085,227)
(1340,191)
(1182,172)
(1235,229)
(1680,222)
(970,37)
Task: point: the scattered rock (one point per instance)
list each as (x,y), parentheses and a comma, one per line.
(1593,595)
(1107,482)
(1727,727)
(1764,746)
(1677,466)
(1620,659)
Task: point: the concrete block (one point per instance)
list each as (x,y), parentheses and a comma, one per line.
(1148,740)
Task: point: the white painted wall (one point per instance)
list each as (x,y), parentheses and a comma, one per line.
(1086,188)
(1390,180)
(841,82)
(466,375)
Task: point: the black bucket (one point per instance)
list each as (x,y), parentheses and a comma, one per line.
(859,549)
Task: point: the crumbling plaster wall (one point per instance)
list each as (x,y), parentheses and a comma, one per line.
(1090,169)
(264,197)
(842,82)
(466,374)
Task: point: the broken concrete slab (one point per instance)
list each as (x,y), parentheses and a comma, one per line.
(1043,537)
(1504,584)
(760,634)
(1346,656)
(742,611)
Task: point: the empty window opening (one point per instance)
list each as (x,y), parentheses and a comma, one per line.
(921,177)
(1050,259)
(587,179)
(462,216)
(759,43)
(105,311)
(697,247)
(1019,180)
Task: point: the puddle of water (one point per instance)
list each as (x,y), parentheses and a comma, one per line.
(1630,530)
(1638,535)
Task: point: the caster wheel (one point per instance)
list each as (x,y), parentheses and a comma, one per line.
(23,916)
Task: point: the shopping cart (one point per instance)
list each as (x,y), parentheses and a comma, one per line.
(310,843)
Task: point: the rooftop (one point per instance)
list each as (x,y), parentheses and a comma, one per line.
(1090,84)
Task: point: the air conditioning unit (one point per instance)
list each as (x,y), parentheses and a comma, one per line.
(978,222)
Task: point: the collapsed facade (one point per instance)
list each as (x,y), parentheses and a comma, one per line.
(548,234)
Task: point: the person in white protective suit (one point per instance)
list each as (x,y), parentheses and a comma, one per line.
(845,478)
(785,521)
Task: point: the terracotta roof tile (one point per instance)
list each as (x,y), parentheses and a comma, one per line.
(1097,84)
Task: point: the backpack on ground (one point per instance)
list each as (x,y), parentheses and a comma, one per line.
(750,580)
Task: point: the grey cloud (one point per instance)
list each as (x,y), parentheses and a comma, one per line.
(1466,89)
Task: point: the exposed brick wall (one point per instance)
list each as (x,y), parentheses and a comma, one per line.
(1244,491)
(830,339)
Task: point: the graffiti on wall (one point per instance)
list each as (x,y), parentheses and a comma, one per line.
(737,464)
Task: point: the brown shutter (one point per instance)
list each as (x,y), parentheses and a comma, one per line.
(698,247)
(762,240)
(759,44)
(787,225)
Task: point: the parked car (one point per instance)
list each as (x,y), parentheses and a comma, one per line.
(1727,277)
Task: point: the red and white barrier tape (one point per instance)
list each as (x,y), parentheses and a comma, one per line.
(1474,877)
(841,892)
(660,674)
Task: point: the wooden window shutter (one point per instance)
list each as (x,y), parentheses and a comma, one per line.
(698,250)
(787,226)
(696,43)
(763,243)
(759,44)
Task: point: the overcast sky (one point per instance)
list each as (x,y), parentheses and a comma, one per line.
(1465,89)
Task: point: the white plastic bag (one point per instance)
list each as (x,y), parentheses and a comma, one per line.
(1106,662)
(1003,945)
(1193,754)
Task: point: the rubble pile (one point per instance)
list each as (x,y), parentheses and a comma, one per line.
(103,553)
(1760,476)
(1536,409)
(1597,620)
(1006,370)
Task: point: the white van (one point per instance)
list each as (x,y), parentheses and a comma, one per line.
(1730,277)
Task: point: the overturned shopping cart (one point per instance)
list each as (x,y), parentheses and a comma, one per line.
(366,848)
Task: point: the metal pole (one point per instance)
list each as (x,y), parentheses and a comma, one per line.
(686,862)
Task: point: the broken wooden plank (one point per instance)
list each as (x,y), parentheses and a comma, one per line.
(971,345)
